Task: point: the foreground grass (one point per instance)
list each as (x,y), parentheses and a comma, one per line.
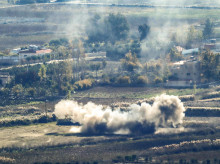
(134,92)
(102,148)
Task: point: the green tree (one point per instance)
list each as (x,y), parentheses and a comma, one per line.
(124,80)
(59,42)
(210,65)
(135,47)
(118,27)
(208,29)
(193,36)
(158,80)
(62,76)
(130,62)
(96,67)
(143,31)
(112,28)
(142,80)
(26,78)
(174,55)
(97,30)
(17,90)
(42,72)
(117,51)
(31,92)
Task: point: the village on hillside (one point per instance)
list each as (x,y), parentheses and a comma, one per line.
(109,81)
(184,73)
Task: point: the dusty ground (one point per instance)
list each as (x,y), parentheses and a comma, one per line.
(49,142)
(41,134)
(51,134)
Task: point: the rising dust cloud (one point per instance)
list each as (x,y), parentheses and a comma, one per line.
(166,112)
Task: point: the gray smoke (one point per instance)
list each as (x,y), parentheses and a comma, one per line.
(166,112)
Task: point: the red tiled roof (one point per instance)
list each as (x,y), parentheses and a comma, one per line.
(47,51)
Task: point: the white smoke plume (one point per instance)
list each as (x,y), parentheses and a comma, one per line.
(166,112)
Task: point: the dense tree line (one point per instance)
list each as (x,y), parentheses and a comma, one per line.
(113,27)
(210,65)
(111,34)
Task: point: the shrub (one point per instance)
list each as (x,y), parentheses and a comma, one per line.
(84,84)
(44,119)
(17,122)
(31,92)
(105,81)
(187,98)
(66,122)
(142,80)
(124,80)
(158,80)
(202,112)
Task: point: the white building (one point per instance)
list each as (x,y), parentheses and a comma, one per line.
(184,73)
(29,53)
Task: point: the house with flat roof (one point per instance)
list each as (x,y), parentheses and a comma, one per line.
(185,73)
(29,53)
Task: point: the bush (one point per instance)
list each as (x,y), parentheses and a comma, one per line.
(187,98)
(124,80)
(17,122)
(26,121)
(84,84)
(105,81)
(142,80)
(202,112)
(44,119)
(66,122)
(158,80)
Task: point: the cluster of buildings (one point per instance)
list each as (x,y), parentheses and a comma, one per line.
(187,73)
(20,54)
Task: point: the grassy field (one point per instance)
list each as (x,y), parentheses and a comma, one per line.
(51,143)
(134,93)
(48,142)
